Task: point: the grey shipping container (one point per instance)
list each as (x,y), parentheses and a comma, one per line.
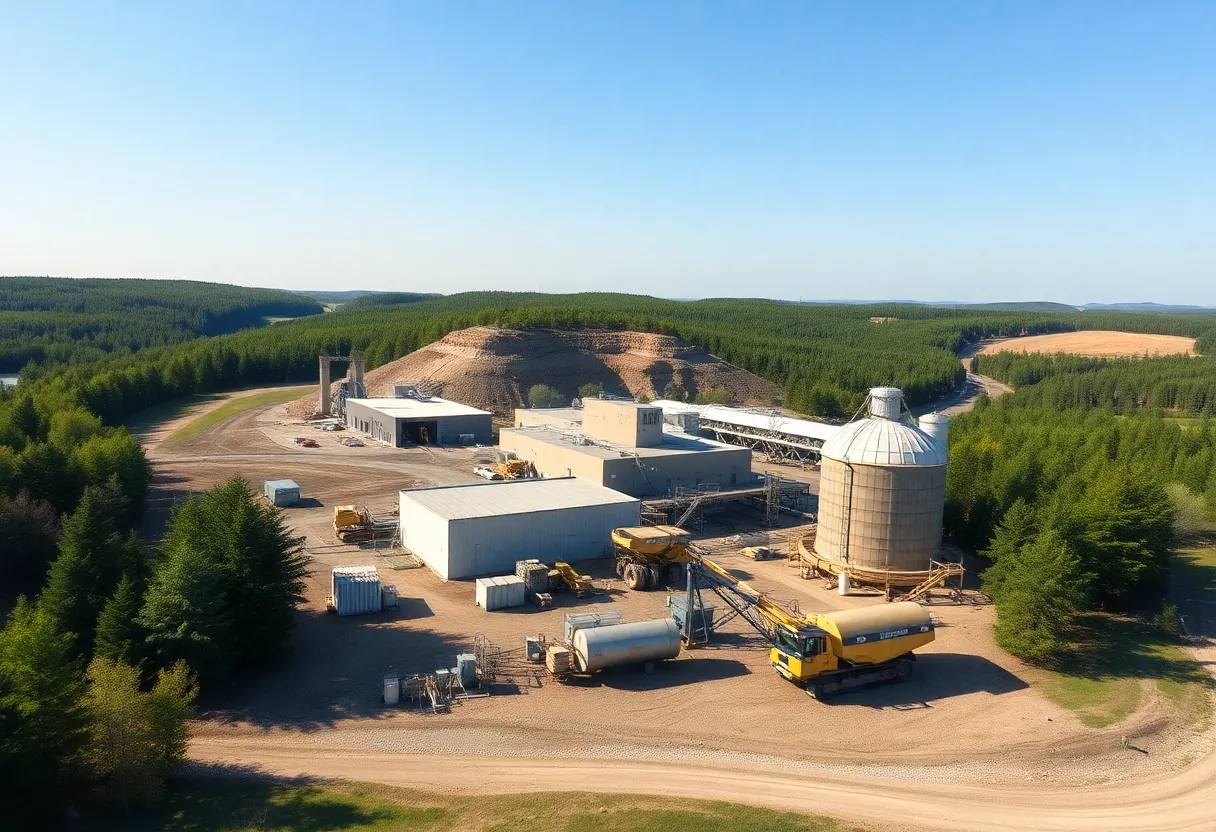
(281,492)
(703,616)
(356,589)
(500,593)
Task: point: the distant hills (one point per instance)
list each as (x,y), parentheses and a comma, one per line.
(1024,306)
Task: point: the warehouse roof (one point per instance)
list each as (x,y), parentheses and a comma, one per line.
(492,499)
(674,442)
(419,408)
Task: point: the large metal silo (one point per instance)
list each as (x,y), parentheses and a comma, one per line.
(882,490)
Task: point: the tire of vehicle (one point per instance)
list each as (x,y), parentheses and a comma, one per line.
(635,576)
(652,577)
(620,568)
(815,691)
(905,671)
(675,574)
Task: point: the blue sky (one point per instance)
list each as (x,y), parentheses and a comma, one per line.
(967,151)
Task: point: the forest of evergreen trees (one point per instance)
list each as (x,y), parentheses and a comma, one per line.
(62,320)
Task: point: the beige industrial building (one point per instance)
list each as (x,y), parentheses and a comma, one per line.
(624,446)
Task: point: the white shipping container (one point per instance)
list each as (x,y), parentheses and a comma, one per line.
(356,589)
(500,593)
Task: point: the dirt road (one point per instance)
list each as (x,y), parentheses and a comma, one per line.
(967,745)
(1185,802)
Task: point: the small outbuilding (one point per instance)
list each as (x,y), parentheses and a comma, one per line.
(281,492)
(464,531)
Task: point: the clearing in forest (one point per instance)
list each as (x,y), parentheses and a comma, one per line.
(1097,343)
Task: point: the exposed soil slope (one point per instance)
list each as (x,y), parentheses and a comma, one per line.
(1097,343)
(493,368)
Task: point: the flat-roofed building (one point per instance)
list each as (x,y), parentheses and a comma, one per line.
(464,531)
(418,420)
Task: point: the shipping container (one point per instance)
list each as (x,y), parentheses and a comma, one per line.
(356,589)
(500,593)
(281,492)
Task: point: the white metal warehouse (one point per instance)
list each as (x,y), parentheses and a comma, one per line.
(462,531)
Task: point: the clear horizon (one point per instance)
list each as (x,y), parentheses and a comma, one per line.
(944,152)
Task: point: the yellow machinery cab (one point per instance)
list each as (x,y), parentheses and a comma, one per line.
(802,654)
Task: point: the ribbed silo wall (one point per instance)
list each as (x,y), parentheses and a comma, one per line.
(892,514)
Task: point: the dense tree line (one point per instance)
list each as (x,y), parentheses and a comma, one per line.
(98,673)
(1069,504)
(1181,383)
(62,320)
(824,357)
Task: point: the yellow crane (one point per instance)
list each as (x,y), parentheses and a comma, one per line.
(823,652)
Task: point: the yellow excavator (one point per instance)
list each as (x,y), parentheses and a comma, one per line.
(825,653)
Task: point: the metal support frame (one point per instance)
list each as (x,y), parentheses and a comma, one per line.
(333,402)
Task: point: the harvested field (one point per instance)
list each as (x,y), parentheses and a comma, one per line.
(1097,344)
(493,368)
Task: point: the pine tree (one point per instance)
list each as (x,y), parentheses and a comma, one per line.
(41,723)
(1018,528)
(1039,597)
(185,615)
(120,749)
(119,636)
(170,707)
(91,561)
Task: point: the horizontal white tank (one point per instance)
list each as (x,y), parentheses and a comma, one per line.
(635,643)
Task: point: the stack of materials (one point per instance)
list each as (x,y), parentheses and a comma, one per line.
(558,660)
(355,589)
(535,575)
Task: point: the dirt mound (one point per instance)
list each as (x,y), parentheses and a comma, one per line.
(493,368)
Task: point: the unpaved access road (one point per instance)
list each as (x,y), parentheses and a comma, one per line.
(967,744)
(1185,802)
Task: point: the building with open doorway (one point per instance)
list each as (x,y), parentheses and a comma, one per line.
(418,420)
(624,446)
(465,531)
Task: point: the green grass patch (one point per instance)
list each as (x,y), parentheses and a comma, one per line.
(1100,677)
(265,805)
(167,412)
(235,406)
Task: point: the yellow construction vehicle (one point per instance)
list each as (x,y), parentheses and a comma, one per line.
(355,524)
(825,653)
(648,556)
(511,467)
(564,575)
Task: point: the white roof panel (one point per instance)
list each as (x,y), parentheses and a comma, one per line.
(878,441)
(753,419)
(419,409)
(492,499)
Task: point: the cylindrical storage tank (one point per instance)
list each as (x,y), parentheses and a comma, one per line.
(882,489)
(886,402)
(937,426)
(634,643)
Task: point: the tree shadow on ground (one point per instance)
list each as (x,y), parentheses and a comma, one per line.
(213,797)
(336,671)
(1117,647)
(936,676)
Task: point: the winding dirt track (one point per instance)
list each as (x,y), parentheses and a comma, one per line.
(1179,803)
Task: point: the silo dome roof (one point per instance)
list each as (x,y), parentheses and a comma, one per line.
(878,441)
